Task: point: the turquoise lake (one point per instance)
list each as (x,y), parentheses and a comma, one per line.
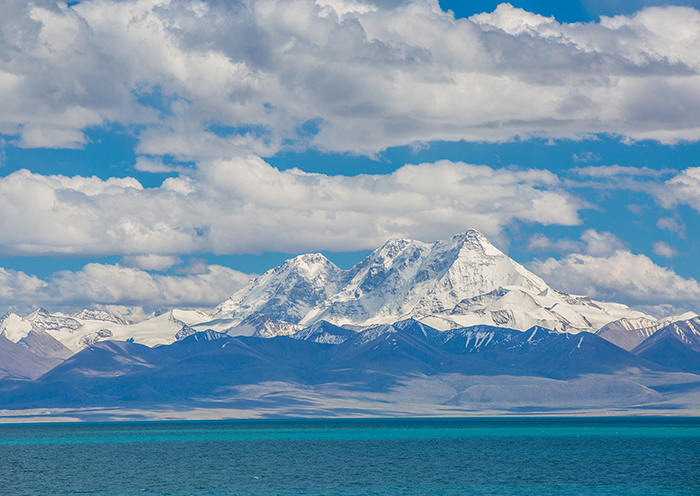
(562,456)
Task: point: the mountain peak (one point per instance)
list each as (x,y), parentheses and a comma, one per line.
(310,262)
(473,266)
(38,312)
(474,240)
(469,234)
(286,293)
(677,346)
(405,278)
(102,315)
(309,258)
(395,245)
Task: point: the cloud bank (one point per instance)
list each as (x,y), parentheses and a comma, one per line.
(101,284)
(245,205)
(623,276)
(600,265)
(207,80)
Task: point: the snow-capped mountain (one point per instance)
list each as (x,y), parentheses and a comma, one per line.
(458,282)
(629,333)
(26,350)
(19,362)
(677,345)
(103,315)
(86,327)
(410,278)
(286,293)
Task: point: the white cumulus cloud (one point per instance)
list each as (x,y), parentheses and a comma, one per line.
(100,285)
(606,171)
(592,242)
(623,276)
(245,205)
(665,250)
(339,75)
(682,189)
(673,224)
(150,262)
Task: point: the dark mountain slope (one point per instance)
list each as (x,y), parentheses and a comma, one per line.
(676,346)
(206,367)
(19,362)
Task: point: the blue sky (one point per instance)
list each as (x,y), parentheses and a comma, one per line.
(570,11)
(585,130)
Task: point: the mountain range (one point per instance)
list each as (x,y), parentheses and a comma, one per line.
(452,310)
(458,282)
(208,370)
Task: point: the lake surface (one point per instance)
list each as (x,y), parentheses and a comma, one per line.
(616,456)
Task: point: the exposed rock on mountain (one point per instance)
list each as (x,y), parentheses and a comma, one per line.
(629,333)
